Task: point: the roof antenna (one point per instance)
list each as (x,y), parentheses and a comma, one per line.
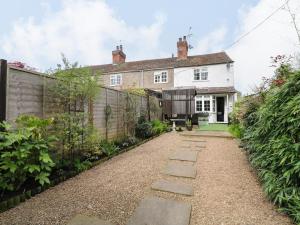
(190,34)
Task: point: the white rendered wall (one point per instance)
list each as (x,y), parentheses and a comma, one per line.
(219,75)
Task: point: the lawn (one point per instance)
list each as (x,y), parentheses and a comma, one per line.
(214,127)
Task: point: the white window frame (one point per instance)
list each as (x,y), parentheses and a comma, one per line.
(158,77)
(201,73)
(115,80)
(202,99)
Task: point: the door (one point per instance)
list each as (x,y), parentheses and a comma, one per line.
(220,109)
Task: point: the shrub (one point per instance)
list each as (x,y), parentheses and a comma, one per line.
(24,153)
(272,137)
(143,130)
(125,142)
(81,166)
(108,148)
(159,127)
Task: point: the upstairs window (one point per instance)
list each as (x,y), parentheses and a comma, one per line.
(115,79)
(201,74)
(161,77)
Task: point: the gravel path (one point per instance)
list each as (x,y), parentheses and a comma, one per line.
(226,190)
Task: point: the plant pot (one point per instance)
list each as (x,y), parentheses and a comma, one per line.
(189,128)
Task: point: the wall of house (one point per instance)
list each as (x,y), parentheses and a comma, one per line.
(218,76)
(140,79)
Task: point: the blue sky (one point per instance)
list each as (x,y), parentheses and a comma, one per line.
(36,32)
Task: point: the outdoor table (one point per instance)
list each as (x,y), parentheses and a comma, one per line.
(174,122)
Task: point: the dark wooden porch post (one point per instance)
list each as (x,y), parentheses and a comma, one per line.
(3,88)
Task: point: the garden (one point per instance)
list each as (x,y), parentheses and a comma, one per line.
(268,124)
(37,153)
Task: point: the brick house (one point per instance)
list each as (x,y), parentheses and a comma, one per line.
(210,76)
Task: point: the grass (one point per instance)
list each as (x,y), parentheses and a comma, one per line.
(213,127)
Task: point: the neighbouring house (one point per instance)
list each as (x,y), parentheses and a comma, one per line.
(189,84)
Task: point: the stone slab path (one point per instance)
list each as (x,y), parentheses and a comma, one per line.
(174,187)
(159,211)
(226,189)
(179,170)
(193,140)
(87,220)
(184,156)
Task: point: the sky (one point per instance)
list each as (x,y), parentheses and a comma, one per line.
(38,31)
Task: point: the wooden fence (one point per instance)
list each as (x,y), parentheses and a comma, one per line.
(27,92)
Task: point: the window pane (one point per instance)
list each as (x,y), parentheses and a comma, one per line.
(196,74)
(163,77)
(204,75)
(207,105)
(157,78)
(198,106)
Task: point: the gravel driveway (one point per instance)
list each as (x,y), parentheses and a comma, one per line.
(226,190)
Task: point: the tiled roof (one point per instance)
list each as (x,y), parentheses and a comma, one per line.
(197,60)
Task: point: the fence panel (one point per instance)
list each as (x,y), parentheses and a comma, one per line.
(30,93)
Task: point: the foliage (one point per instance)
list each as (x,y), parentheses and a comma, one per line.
(82,166)
(272,138)
(137,91)
(73,90)
(143,130)
(188,123)
(236,130)
(24,152)
(159,127)
(126,142)
(130,113)
(108,148)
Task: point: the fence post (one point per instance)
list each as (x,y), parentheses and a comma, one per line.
(3,89)
(148,106)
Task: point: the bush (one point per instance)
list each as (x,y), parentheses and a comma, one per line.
(24,153)
(159,127)
(125,142)
(108,148)
(143,130)
(272,137)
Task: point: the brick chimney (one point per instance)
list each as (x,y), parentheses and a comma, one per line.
(182,48)
(118,56)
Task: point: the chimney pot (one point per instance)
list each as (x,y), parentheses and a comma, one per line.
(118,56)
(182,49)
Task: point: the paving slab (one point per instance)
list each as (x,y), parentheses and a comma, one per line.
(173,187)
(178,170)
(159,211)
(87,220)
(184,156)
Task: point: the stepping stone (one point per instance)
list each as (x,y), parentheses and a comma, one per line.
(178,170)
(159,211)
(169,186)
(185,156)
(195,140)
(87,220)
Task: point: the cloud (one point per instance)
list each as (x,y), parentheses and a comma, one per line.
(252,54)
(85,30)
(276,36)
(211,42)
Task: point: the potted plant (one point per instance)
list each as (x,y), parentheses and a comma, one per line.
(203,118)
(189,125)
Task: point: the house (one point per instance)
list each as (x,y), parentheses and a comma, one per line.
(208,79)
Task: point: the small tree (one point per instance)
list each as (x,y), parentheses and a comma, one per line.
(74,88)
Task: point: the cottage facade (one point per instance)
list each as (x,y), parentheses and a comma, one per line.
(210,76)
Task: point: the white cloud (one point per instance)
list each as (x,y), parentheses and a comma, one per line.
(211,42)
(276,36)
(252,54)
(85,30)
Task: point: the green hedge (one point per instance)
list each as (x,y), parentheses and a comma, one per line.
(273,143)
